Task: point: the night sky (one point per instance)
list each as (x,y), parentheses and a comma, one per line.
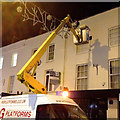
(15,29)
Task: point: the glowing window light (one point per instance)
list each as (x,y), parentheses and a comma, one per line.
(1,62)
(14,59)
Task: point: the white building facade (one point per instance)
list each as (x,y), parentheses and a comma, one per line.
(91,66)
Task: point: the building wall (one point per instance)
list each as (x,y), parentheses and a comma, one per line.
(24,49)
(97,52)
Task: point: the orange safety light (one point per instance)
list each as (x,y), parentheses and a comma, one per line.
(65,92)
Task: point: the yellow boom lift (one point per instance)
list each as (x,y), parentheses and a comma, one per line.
(25,75)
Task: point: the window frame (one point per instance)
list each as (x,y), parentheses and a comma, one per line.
(82,77)
(118,35)
(48,53)
(115,74)
(48,84)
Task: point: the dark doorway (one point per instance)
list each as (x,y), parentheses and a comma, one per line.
(98,109)
(95,101)
(95,109)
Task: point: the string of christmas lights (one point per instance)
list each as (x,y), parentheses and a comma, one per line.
(38,15)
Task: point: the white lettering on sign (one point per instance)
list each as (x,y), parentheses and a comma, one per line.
(16,113)
(13,101)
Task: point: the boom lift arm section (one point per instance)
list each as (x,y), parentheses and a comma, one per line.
(25,75)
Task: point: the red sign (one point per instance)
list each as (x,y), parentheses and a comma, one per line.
(16,113)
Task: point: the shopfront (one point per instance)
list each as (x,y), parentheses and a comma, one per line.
(98,104)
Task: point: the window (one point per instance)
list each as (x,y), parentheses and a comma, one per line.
(82,77)
(10,84)
(51,52)
(1,62)
(114,36)
(48,81)
(114,73)
(59,112)
(52,80)
(14,59)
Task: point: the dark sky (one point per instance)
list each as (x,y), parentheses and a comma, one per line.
(15,29)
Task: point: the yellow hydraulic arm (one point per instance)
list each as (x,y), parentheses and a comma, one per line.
(25,75)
